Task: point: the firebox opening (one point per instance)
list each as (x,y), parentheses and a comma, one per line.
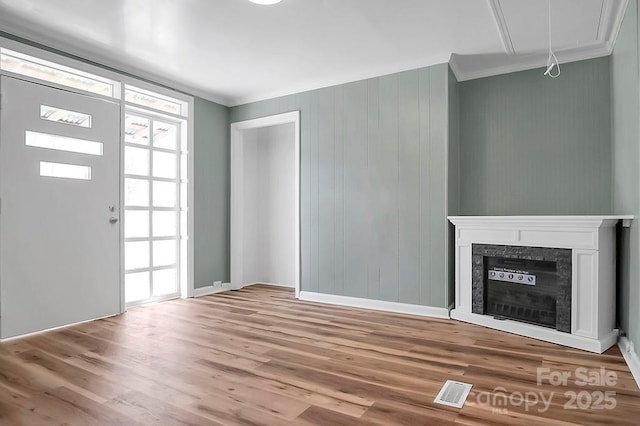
(521,289)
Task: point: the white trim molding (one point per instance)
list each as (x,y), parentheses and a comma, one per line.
(209,289)
(516,63)
(378,305)
(264,283)
(631,357)
(237,189)
(503,29)
(474,66)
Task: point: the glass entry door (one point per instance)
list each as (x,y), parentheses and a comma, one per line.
(152,197)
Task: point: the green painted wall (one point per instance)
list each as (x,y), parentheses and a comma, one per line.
(625,153)
(535,145)
(211,193)
(453,176)
(373,191)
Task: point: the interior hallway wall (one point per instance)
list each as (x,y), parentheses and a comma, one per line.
(373,185)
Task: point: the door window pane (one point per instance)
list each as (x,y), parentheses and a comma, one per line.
(164,253)
(62,143)
(136,286)
(136,161)
(164,224)
(155,101)
(20,63)
(136,224)
(165,135)
(164,194)
(64,116)
(136,130)
(164,282)
(164,165)
(136,192)
(68,171)
(136,255)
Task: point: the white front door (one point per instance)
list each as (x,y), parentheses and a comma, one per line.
(59,211)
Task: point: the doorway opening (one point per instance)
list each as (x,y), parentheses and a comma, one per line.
(265,201)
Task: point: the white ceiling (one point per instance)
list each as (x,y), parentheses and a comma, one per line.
(234,51)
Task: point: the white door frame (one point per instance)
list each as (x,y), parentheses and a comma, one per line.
(237,189)
(187,289)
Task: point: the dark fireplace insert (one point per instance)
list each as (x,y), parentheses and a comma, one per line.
(521,289)
(528,284)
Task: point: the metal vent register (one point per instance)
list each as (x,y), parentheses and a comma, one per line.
(453,394)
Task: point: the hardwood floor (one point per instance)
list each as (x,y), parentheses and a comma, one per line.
(259,357)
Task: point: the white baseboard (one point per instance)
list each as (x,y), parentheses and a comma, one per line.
(46,330)
(207,290)
(631,357)
(264,283)
(378,305)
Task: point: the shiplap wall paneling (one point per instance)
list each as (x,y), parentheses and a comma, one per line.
(438,131)
(375,163)
(534,145)
(409,186)
(338,202)
(373,185)
(357,225)
(388,191)
(326,193)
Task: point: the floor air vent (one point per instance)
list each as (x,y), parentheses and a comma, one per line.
(453,394)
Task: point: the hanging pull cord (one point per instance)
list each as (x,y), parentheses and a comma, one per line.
(553,60)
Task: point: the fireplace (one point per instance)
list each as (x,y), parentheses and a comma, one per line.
(571,260)
(528,284)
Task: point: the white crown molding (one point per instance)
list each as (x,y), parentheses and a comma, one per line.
(523,63)
(610,21)
(455,68)
(631,357)
(378,305)
(613,13)
(503,29)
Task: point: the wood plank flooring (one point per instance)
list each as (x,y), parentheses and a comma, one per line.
(259,357)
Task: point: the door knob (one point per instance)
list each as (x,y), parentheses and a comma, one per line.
(113,219)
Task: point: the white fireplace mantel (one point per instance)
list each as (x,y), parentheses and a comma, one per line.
(593,289)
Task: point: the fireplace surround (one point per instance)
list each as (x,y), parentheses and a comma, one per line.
(583,250)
